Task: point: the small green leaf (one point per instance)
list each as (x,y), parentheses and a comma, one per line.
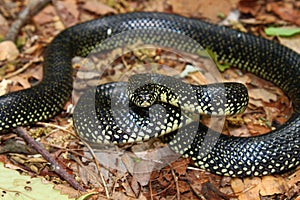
(86,196)
(221,15)
(221,66)
(282,31)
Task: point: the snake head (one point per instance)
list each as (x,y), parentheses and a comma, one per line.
(144,96)
(141,89)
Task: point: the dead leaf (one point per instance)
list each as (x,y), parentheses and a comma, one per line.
(294,178)
(239,132)
(66,189)
(286,11)
(68,12)
(267,18)
(45,16)
(247,188)
(89,175)
(255,124)
(257,103)
(271,185)
(4,86)
(263,94)
(3,26)
(142,178)
(291,42)
(180,166)
(8,51)
(183,186)
(201,8)
(256,129)
(134,188)
(271,113)
(122,196)
(237,185)
(31,49)
(98,8)
(246,6)
(156,5)
(252,188)
(23,79)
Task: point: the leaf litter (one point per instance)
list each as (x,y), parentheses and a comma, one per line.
(268,108)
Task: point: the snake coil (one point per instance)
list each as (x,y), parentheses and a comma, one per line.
(274,152)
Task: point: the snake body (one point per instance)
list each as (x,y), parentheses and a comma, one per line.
(274,152)
(216,99)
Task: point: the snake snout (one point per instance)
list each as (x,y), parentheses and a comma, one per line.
(144,98)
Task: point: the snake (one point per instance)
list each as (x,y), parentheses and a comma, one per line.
(275,152)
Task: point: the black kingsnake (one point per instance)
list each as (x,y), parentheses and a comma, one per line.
(272,153)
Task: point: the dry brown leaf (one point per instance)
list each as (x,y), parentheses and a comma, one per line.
(201,8)
(294,178)
(257,103)
(255,125)
(239,132)
(68,11)
(23,79)
(267,18)
(256,129)
(122,196)
(246,6)
(263,94)
(237,185)
(4,27)
(45,16)
(234,75)
(271,185)
(142,178)
(66,189)
(286,11)
(36,73)
(180,166)
(4,86)
(32,49)
(271,113)
(252,188)
(89,174)
(156,5)
(98,7)
(183,186)
(291,42)
(247,188)
(134,188)
(8,51)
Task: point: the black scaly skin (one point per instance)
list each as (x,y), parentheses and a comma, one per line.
(272,153)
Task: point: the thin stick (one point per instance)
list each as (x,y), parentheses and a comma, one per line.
(176,182)
(98,167)
(40,149)
(19,71)
(32,9)
(151,191)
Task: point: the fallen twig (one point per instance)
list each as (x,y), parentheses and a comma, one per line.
(176,182)
(32,9)
(40,149)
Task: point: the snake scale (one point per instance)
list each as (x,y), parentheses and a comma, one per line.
(274,152)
